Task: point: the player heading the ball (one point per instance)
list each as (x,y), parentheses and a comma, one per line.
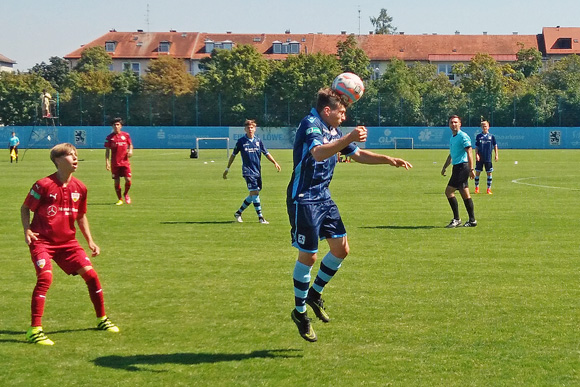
(313,214)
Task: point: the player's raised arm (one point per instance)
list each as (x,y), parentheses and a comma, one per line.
(323,152)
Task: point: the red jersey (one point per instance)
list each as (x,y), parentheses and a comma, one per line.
(56,207)
(118,143)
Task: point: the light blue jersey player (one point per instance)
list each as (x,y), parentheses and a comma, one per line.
(251,148)
(312,213)
(461,157)
(485,144)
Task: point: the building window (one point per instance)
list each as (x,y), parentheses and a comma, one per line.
(209,46)
(136,68)
(446,69)
(164,46)
(286,48)
(563,44)
(110,46)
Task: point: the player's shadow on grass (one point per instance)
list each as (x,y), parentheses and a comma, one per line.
(133,362)
(201,222)
(13,333)
(400,227)
(23,333)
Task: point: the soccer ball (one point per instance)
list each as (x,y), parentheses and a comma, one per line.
(350,86)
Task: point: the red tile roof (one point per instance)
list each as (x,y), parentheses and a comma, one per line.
(556,37)
(191,45)
(5,59)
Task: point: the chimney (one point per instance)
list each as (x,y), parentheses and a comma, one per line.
(515,32)
(401,33)
(343,32)
(457,32)
(287,31)
(485,32)
(371,32)
(229,32)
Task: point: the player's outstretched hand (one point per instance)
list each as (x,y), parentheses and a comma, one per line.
(278,168)
(402,163)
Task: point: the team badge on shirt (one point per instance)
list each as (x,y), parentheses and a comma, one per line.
(75,196)
(51,211)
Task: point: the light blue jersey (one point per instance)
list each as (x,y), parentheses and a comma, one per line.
(457,145)
(14,140)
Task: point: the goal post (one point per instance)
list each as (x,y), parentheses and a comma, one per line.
(403,142)
(213,143)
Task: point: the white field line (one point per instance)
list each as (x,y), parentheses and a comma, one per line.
(520,181)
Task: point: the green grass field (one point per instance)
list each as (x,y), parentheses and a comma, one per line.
(201,300)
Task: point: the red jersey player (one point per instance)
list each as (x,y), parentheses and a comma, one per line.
(120,148)
(57,201)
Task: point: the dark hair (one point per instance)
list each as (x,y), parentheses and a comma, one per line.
(117,119)
(454,116)
(250,122)
(329,97)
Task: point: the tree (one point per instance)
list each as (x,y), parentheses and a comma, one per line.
(488,84)
(56,72)
(353,58)
(94,59)
(563,81)
(294,83)
(528,62)
(20,97)
(383,23)
(235,79)
(403,100)
(168,76)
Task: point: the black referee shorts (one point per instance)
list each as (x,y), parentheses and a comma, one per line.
(459,176)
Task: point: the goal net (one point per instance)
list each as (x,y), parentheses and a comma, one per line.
(403,142)
(213,143)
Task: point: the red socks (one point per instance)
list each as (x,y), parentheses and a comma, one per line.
(43,282)
(95,291)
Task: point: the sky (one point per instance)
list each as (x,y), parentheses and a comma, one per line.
(32,31)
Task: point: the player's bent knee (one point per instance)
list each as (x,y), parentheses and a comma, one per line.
(43,281)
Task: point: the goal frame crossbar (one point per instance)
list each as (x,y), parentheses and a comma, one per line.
(227,139)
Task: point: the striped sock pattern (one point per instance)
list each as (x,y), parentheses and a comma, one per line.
(257,205)
(301,277)
(245,204)
(328,268)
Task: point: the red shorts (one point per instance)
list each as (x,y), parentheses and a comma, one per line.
(70,258)
(121,172)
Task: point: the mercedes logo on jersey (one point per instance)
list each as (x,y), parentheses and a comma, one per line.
(51,211)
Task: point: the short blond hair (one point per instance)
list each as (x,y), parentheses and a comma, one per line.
(60,150)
